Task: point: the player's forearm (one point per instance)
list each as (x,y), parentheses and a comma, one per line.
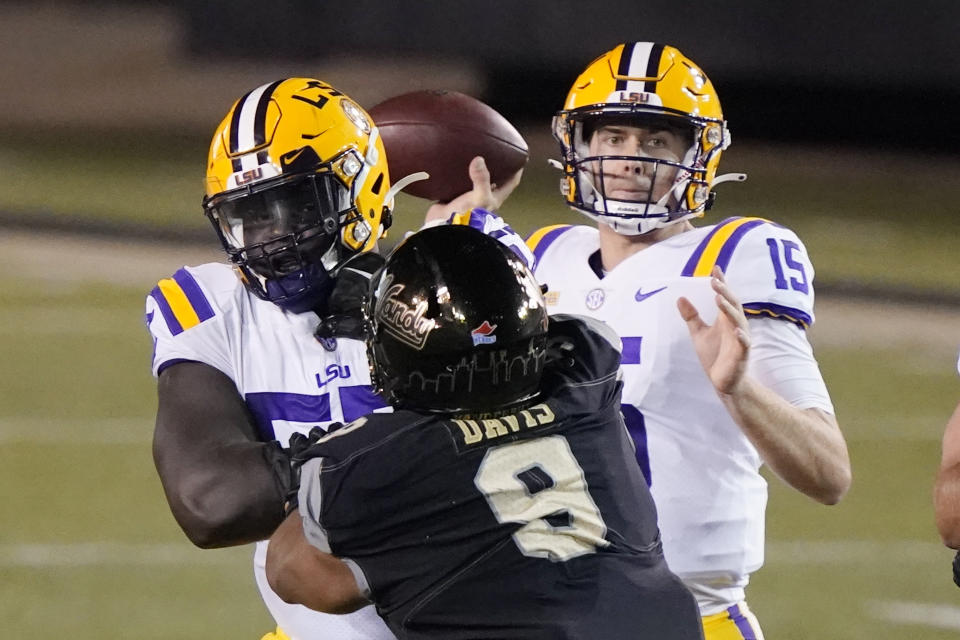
(946,503)
(231,495)
(946,491)
(302,574)
(803,446)
(224,486)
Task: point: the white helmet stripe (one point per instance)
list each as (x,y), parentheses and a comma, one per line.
(639,60)
(247,127)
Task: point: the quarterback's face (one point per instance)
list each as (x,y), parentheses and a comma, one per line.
(629,179)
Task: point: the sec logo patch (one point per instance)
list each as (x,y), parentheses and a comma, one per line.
(595,299)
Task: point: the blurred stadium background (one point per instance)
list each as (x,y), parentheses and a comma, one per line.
(842,115)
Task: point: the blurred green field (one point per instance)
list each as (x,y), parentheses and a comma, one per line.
(877,219)
(89,550)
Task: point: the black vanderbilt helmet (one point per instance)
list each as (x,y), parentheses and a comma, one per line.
(457,324)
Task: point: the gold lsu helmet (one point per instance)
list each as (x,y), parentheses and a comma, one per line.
(296,183)
(646,85)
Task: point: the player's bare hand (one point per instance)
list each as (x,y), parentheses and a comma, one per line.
(723,346)
(484,194)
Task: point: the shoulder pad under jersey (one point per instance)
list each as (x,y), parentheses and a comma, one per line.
(582,352)
(541,240)
(765,264)
(181,299)
(181,309)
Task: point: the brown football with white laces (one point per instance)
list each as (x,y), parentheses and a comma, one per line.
(440,132)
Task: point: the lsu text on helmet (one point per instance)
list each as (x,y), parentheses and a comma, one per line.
(456,324)
(296,183)
(655,88)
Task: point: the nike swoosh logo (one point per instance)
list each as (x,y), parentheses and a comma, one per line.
(308,136)
(641,296)
(290,156)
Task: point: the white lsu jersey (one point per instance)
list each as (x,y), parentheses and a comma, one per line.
(288,379)
(702,470)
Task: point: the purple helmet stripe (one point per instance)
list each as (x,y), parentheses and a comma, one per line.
(248,122)
(235,123)
(623,69)
(260,119)
(653,68)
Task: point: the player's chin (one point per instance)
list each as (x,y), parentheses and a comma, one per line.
(286,255)
(275,266)
(628,195)
(635,196)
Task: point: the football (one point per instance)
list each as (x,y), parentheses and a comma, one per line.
(440,132)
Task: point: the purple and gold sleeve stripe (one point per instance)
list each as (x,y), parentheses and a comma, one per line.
(472,218)
(491,224)
(541,239)
(181,302)
(718,247)
(796,316)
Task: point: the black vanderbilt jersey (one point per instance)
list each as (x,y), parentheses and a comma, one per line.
(536,524)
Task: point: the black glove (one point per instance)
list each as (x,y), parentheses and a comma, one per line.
(297,453)
(956,569)
(345,306)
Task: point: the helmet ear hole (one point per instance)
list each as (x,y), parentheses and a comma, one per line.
(329,226)
(711,197)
